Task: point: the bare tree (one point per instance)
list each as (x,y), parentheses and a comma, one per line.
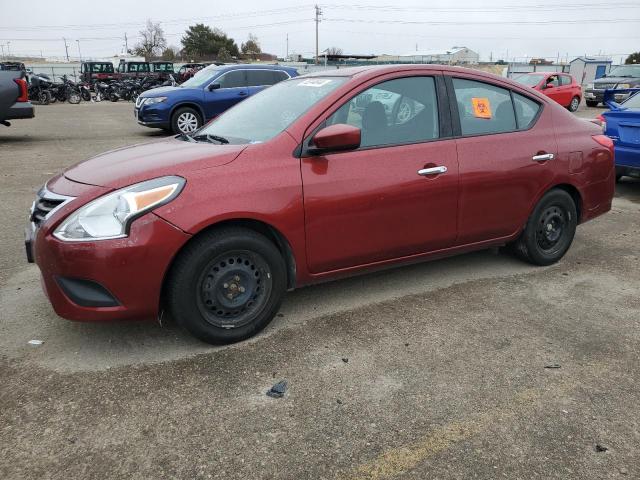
(153,42)
(334,51)
(251,46)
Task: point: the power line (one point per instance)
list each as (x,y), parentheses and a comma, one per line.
(482,22)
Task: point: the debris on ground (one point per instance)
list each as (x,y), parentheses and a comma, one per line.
(35,342)
(345,359)
(338,401)
(601,448)
(278,390)
(552,365)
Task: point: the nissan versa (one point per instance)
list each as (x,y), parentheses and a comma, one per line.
(315,178)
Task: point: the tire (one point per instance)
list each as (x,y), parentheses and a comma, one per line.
(575,103)
(114,97)
(86,95)
(74,97)
(185,120)
(549,231)
(592,103)
(226,285)
(44,97)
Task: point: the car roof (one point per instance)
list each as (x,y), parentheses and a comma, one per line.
(254,66)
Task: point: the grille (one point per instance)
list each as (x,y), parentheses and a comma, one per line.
(46,203)
(604,86)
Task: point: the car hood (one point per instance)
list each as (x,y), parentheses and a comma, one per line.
(125,166)
(616,80)
(155,92)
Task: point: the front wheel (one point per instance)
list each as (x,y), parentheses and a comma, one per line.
(575,103)
(550,229)
(185,120)
(74,97)
(591,103)
(44,97)
(86,95)
(226,285)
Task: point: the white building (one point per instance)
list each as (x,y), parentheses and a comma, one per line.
(453,56)
(586,70)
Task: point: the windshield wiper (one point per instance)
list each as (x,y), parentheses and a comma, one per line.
(211,138)
(186,138)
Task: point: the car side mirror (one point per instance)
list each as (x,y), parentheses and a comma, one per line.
(213,86)
(335,138)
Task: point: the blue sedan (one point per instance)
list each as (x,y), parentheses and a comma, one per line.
(211,91)
(622,125)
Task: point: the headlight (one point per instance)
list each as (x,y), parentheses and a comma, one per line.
(152,100)
(623,85)
(590,86)
(110,216)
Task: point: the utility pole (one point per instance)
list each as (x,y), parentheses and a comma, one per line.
(2,47)
(126,43)
(8,49)
(287,56)
(317,20)
(66,47)
(79,52)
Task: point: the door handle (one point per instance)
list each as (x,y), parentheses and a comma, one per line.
(432,171)
(543,157)
(242,94)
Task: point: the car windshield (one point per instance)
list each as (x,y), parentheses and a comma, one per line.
(202,77)
(633,101)
(266,114)
(625,71)
(529,80)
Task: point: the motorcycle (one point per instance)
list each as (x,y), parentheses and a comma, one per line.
(66,91)
(105,91)
(38,89)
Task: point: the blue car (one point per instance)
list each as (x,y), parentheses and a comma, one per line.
(622,125)
(211,91)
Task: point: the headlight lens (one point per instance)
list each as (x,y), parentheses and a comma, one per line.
(109,216)
(153,100)
(624,85)
(590,86)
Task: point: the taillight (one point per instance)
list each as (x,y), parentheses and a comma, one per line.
(604,141)
(22,85)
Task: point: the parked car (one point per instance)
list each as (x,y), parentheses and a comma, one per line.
(620,77)
(134,69)
(214,89)
(188,70)
(622,125)
(14,97)
(91,72)
(299,184)
(560,87)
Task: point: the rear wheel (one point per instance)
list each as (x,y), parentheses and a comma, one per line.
(185,120)
(549,231)
(575,103)
(226,285)
(74,97)
(592,103)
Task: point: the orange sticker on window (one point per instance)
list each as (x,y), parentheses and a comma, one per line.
(481,107)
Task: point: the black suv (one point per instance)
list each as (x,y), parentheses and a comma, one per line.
(623,76)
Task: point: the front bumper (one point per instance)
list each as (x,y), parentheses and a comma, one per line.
(108,279)
(151,116)
(598,96)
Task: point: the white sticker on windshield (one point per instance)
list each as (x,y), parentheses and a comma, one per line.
(314,82)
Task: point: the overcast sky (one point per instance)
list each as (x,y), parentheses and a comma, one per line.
(517,28)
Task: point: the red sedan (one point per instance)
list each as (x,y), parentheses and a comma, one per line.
(316,178)
(560,87)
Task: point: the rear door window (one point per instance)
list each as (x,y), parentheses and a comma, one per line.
(483,108)
(258,78)
(565,80)
(233,79)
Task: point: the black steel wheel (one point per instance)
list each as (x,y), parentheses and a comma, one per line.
(226,285)
(550,229)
